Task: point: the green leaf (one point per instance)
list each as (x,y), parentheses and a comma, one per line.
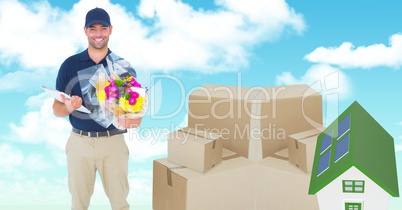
(118,82)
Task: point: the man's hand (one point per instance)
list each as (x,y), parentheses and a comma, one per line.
(126,122)
(73,103)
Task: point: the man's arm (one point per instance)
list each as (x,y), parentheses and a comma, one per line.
(63,109)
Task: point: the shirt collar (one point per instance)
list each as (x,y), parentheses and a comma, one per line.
(84,56)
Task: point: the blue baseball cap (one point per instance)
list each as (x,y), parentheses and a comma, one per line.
(97,15)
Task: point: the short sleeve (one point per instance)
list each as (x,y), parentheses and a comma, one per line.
(62,77)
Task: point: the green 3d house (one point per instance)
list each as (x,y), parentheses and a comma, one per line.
(354,164)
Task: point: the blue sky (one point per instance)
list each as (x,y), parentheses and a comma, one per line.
(351,48)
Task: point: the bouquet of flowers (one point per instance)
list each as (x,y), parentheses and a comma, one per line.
(113,94)
(125,98)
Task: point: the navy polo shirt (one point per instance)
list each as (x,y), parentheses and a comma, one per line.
(67,81)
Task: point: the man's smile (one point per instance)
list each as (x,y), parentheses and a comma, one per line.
(98,39)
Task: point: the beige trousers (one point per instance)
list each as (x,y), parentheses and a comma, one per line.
(108,156)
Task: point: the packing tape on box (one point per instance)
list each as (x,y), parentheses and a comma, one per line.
(231,157)
(169,169)
(255,145)
(305,137)
(195,134)
(169,173)
(279,157)
(201,136)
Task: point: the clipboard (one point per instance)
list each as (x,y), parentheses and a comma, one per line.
(56,95)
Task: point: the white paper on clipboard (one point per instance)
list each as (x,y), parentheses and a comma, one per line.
(56,95)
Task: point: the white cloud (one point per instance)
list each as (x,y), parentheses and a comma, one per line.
(39,36)
(34,191)
(270,16)
(170,32)
(183,38)
(11,81)
(13,161)
(36,162)
(347,56)
(141,186)
(10,158)
(331,82)
(35,102)
(140,182)
(149,143)
(324,78)
(146,143)
(42,127)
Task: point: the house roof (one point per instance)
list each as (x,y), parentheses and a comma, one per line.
(356,139)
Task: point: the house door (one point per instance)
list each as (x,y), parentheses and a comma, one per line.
(353,206)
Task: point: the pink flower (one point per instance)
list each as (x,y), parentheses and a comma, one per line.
(134,94)
(132,101)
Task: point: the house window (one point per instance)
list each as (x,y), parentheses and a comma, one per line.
(353,186)
(337,142)
(326,142)
(342,144)
(323,163)
(353,206)
(325,153)
(344,126)
(342,147)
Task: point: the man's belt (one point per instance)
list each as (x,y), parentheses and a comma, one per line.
(99,133)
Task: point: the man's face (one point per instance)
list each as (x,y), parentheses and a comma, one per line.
(98,35)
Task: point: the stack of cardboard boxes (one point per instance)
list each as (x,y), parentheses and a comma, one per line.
(244,148)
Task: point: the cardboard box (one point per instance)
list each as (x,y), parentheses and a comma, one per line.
(302,148)
(283,154)
(287,110)
(237,183)
(195,149)
(229,185)
(226,110)
(283,186)
(255,122)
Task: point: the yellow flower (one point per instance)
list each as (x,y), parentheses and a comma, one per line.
(128,79)
(138,106)
(101,95)
(125,105)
